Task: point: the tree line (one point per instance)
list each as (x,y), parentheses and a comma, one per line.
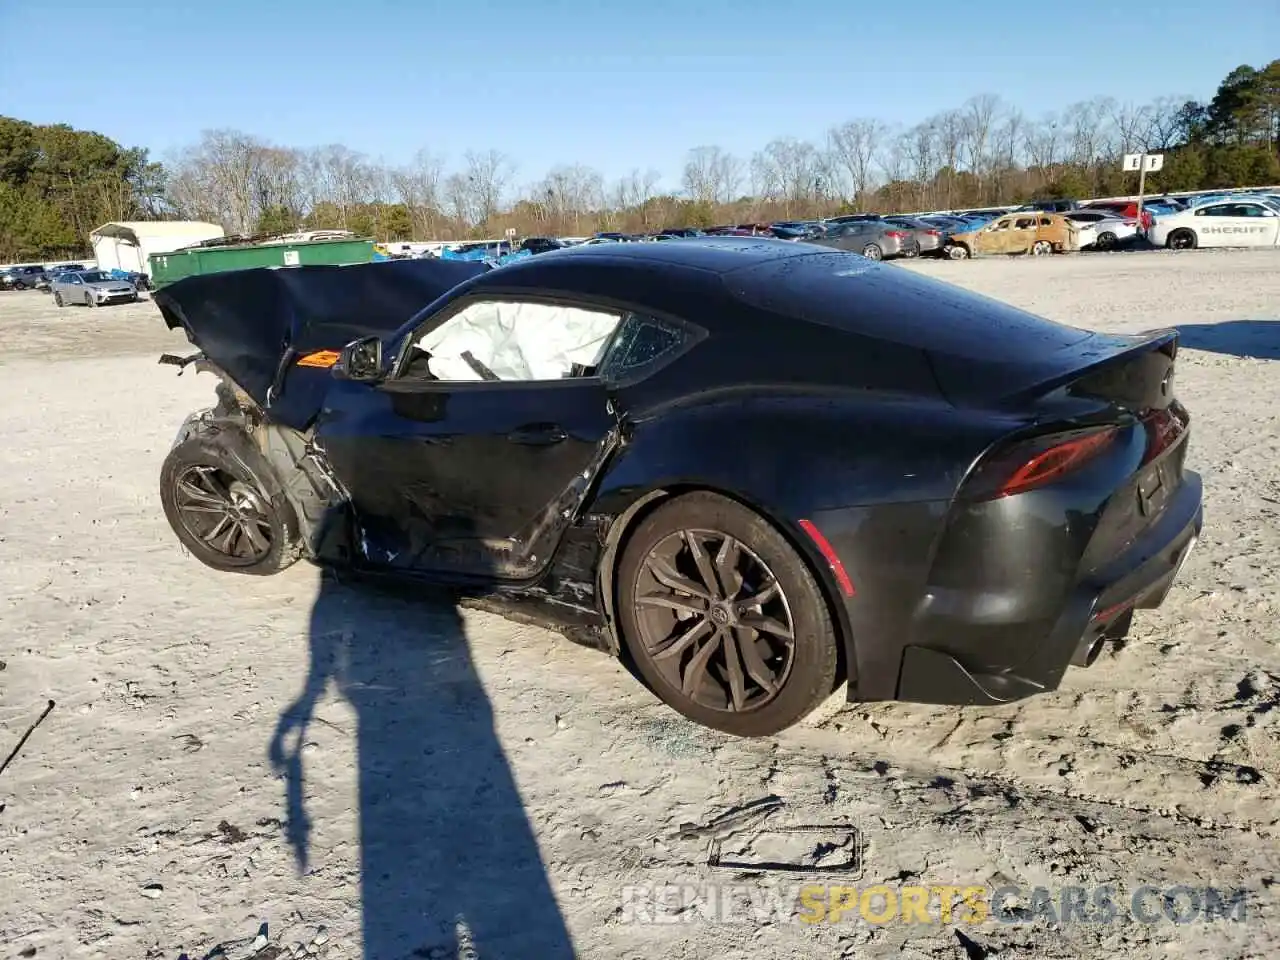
(57,183)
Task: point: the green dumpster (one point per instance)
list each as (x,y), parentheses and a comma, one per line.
(167,268)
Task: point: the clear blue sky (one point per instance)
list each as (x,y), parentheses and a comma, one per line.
(615,85)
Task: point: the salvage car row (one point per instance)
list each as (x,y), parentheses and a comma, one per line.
(72,284)
(1054,226)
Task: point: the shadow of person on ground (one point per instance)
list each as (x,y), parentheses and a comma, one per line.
(1259,339)
(449,866)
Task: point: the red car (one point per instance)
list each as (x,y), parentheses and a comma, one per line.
(1124,208)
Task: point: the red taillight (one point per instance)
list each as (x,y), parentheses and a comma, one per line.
(896,234)
(1033,463)
(934,233)
(1163,427)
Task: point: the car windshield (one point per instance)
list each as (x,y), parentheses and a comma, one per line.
(95,276)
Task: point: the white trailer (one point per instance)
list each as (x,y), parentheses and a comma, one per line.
(128,245)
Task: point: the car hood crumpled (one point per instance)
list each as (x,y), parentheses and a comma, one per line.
(252,323)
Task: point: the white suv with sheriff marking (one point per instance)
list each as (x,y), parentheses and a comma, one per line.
(1233,222)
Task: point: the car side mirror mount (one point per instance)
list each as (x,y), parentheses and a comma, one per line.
(360,361)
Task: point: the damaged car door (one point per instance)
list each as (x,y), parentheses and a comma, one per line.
(473,456)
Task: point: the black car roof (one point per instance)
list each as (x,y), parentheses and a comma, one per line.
(711,254)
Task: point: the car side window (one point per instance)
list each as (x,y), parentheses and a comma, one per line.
(514,340)
(1025,223)
(1046,222)
(1222,210)
(1001,225)
(1248,210)
(641,342)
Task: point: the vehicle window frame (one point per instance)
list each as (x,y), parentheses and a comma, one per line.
(396,380)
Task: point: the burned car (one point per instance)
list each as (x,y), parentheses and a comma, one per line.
(1028,232)
(756,470)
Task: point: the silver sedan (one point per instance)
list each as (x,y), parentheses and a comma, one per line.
(93,288)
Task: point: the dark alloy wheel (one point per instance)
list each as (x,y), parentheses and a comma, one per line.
(1105,241)
(57,299)
(1181,240)
(723,619)
(216,500)
(228,515)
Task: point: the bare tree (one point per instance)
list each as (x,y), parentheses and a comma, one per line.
(458,202)
(894,156)
(417,186)
(788,171)
(711,175)
(488,175)
(635,190)
(568,197)
(1132,125)
(921,152)
(343,179)
(1086,130)
(977,117)
(853,148)
(1043,141)
(1165,127)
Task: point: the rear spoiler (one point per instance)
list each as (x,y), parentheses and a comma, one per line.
(1134,371)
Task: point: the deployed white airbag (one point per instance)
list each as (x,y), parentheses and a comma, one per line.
(518,341)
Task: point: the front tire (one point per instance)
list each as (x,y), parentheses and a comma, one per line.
(723,619)
(57,299)
(957,251)
(215,493)
(1181,240)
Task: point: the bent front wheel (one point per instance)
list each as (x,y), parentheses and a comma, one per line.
(217,501)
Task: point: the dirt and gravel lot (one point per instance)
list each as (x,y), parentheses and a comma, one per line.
(232,758)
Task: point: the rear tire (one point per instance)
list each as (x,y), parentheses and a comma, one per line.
(872,251)
(750,655)
(1105,241)
(1041,248)
(215,493)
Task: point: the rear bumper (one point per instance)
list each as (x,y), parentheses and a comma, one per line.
(1140,578)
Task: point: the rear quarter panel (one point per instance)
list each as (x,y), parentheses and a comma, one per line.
(875,473)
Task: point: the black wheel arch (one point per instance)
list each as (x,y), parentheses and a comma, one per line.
(319,504)
(625,523)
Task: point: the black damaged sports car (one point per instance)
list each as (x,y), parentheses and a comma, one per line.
(755,469)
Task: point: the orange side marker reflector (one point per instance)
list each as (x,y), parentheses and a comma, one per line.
(829,554)
(321,358)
